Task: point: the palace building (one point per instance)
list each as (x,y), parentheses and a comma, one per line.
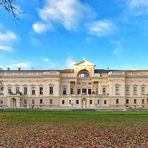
(83,87)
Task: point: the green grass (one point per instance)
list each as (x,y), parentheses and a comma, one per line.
(69,118)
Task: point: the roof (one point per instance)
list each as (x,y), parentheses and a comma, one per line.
(84,62)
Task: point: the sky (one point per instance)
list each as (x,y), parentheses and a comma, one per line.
(55,34)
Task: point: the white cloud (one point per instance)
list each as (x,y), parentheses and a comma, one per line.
(40,27)
(6,48)
(46,59)
(68,13)
(6,39)
(101,28)
(118,47)
(138,7)
(69,62)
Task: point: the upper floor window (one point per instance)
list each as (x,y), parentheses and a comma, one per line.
(117,90)
(135,90)
(50,90)
(25,90)
(41,90)
(83,74)
(104,91)
(33,91)
(127,90)
(71,91)
(9,90)
(17,90)
(64,91)
(142,90)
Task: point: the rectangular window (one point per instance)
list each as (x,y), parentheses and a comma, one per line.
(142,90)
(64,91)
(117,101)
(104,91)
(127,101)
(96,90)
(142,101)
(51,90)
(127,90)
(50,101)
(41,101)
(89,91)
(84,91)
(25,90)
(41,90)
(135,101)
(98,101)
(9,90)
(117,90)
(77,101)
(69,101)
(63,101)
(1,101)
(105,102)
(32,101)
(90,101)
(71,91)
(135,90)
(78,91)
(33,91)
(17,90)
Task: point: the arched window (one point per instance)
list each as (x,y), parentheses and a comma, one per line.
(83,74)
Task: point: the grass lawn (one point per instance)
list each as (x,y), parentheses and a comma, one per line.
(73,129)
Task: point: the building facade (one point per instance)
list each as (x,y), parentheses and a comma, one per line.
(83,87)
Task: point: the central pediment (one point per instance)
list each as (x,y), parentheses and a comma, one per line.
(84,63)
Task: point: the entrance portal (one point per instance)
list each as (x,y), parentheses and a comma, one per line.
(13,103)
(84,103)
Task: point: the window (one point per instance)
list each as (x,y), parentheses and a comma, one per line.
(1,88)
(9,90)
(135,90)
(105,102)
(63,101)
(17,90)
(41,101)
(50,101)
(33,91)
(78,91)
(77,101)
(127,90)
(127,101)
(90,101)
(135,101)
(25,90)
(96,90)
(51,90)
(69,101)
(89,91)
(64,91)
(71,91)
(84,91)
(32,101)
(98,101)
(1,101)
(104,91)
(83,75)
(117,101)
(143,90)
(142,101)
(117,90)
(41,90)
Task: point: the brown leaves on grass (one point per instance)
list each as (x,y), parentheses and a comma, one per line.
(42,136)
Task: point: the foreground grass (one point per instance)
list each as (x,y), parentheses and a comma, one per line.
(73,129)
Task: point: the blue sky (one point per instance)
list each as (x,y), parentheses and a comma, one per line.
(54,34)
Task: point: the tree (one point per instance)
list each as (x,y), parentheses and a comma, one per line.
(10,6)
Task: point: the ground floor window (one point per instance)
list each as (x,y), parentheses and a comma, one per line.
(1,101)
(117,101)
(41,101)
(127,101)
(50,101)
(105,102)
(90,101)
(69,101)
(63,101)
(77,101)
(98,101)
(135,101)
(142,101)
(32,101)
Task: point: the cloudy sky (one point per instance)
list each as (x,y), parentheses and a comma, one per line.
(54,34)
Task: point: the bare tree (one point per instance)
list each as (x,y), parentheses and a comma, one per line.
(10,6)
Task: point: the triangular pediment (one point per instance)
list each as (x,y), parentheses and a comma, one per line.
(84,63)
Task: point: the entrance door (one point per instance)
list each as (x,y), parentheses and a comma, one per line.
(13,103)
(84,103)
